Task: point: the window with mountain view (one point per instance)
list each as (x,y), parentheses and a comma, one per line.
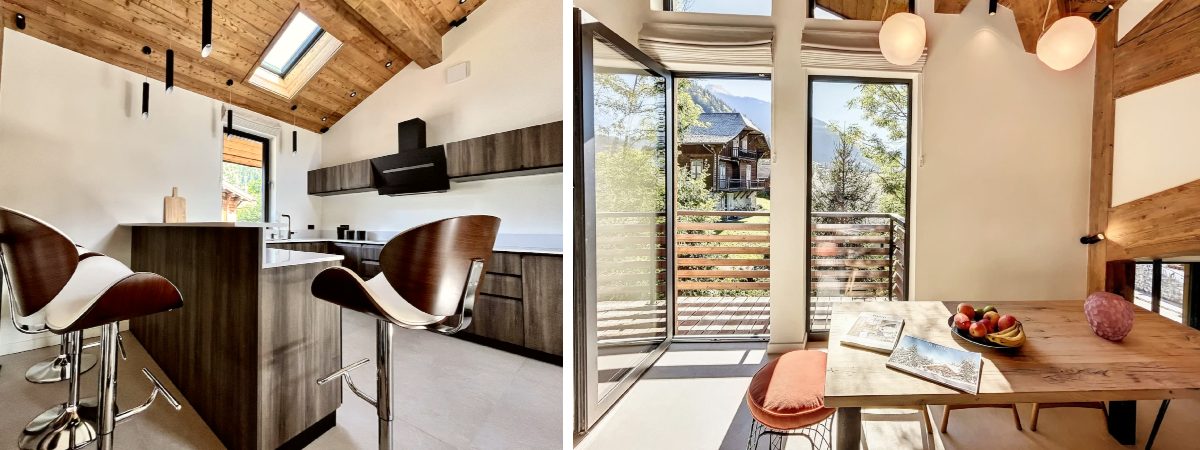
(723,197)
(740,7)
(858,192)
(243,179)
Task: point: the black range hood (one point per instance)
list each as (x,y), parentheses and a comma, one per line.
(410,172)
(415,169)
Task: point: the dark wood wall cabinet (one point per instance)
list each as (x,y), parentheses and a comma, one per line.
(519,307)
(342,179)
(526,151)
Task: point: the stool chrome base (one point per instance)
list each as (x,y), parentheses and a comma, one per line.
(54,370)
(59,429)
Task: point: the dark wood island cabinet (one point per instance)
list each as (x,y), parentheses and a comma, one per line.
(250,342)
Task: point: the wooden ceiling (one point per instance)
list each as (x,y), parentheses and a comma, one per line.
(373,33)
(1031,14)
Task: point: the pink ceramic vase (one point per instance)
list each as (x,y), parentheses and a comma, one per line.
(1110,315)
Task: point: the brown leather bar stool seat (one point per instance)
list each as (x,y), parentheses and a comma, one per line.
(429,277)
(76,293)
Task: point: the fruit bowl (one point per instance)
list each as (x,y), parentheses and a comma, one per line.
(981,342)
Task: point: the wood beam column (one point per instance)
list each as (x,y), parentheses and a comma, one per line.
(1103,125)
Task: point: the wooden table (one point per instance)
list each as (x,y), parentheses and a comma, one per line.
(1062,361)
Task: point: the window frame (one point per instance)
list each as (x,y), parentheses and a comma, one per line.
(668,5)
(266,168)
(309,42)
(812,5)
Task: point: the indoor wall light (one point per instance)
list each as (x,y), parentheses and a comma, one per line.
(902,38)
(1092,239)
(206,28)
(1067,42)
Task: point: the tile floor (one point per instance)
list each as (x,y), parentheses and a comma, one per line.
(450,394)
(694,399)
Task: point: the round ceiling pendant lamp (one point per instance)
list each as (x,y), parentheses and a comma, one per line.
(1066,43)
(902,38)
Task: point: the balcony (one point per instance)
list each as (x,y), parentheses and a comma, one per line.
(739,184)
(854,257)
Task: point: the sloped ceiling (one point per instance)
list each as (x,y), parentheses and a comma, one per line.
(373,33)
(1032,15)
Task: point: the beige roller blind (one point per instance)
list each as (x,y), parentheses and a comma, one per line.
(847,44)
(695,47)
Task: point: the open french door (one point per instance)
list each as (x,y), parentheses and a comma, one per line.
(624,210)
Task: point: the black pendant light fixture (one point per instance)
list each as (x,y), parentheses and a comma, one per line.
(294,133)
(146,89)
(992,5)
(229,108)
(170,77)
(206,28)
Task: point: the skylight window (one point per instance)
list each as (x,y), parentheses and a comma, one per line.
(297,37)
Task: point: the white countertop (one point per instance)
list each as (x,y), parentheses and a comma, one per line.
(208,224)
(273,257)
(546,244)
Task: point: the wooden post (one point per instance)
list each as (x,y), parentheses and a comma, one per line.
(1103,124)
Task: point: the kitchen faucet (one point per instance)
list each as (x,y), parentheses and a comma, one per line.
(289,231)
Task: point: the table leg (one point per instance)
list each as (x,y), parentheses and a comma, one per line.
(1122,421)
(849,428)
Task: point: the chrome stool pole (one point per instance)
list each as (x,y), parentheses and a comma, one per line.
(67,426)
(108,417)
(383,382)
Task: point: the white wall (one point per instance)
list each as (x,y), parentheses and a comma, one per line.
(515,51)
(1001,194)
(1155,143)
(76,152)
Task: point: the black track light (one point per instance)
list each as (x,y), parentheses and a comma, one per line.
(992,5)
(294,133)
(1099,16)
(145,99)
(20,21)
(170,77)
(1095,238)
(458,22)
(324,129)
(206,28)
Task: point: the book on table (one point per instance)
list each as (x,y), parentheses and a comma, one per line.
(950,367)
(874,331)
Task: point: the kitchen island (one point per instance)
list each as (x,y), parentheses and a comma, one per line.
(250,342)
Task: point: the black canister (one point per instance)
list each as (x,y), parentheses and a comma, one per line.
(360,235)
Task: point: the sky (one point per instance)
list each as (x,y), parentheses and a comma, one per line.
(829,105)
(748,7)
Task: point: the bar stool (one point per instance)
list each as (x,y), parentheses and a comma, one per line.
(29,307)
(429,278)
(96,291)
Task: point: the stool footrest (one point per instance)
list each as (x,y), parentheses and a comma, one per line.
(344,374)
(158,389)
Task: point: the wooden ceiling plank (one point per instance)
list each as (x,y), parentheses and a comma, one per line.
(1031,16)
(950,6)
(435,16)
(346,24)
(1164,13)
(1159,56)
(405,27)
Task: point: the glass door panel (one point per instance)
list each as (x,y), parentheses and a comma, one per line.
(624,293)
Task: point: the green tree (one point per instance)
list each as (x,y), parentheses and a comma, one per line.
(887,106)
(844,184)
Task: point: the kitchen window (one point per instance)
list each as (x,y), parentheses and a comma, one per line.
(245,183)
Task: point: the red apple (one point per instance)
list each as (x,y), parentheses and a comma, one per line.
(979,329)
(966,308)
(1006,321)
(993,317)
(962,322)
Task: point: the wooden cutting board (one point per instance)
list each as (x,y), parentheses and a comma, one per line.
(174,208)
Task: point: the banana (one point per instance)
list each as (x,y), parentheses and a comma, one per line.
(1014,336)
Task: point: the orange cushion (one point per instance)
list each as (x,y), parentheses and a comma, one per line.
(789,392)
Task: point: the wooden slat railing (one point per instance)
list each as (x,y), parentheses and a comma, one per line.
(854,257)
(724,256)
